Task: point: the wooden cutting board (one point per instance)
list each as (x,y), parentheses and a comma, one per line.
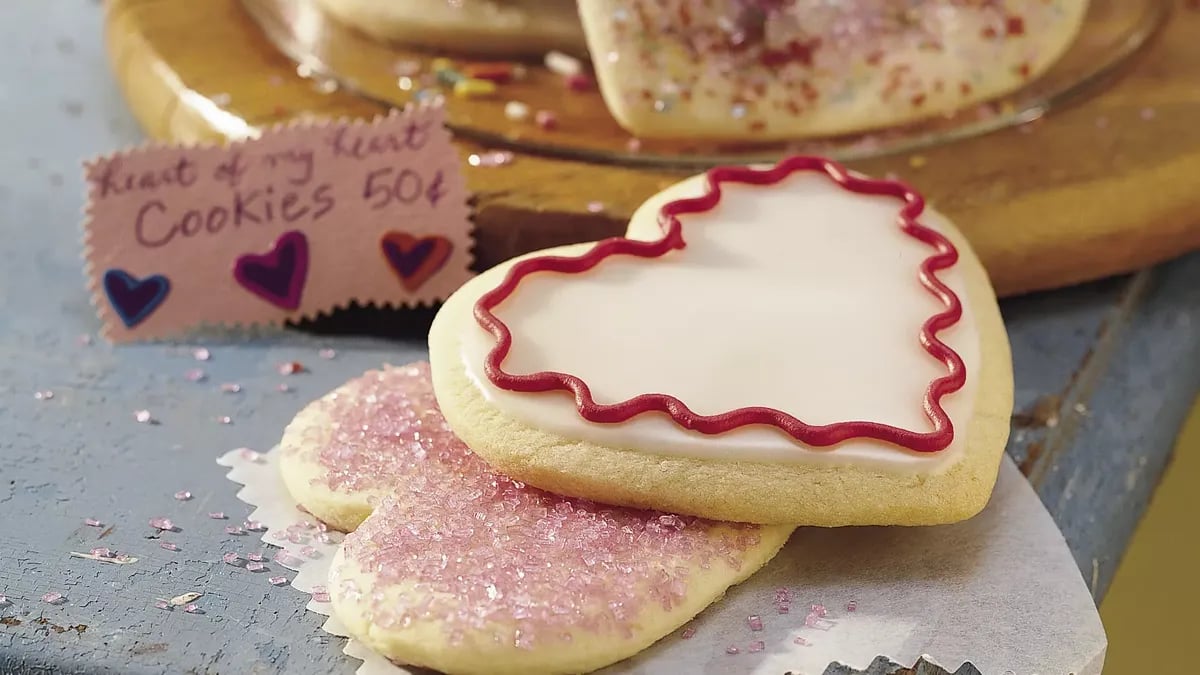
(1109,185)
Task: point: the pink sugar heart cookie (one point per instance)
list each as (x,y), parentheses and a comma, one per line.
(457,568)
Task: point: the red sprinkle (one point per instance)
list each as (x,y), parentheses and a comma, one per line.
(579,82)
(546,119)
(498,72)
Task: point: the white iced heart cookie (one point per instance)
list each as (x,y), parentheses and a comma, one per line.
(762,70)
(465,571)
(484,27)
(790,345)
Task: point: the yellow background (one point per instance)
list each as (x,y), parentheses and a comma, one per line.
(1152,610)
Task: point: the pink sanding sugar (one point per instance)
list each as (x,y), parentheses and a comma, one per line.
(482,549)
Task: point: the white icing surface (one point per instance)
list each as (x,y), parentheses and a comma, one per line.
(801,296)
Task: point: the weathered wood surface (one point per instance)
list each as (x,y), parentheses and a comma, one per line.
(1065,203)
(1105,373)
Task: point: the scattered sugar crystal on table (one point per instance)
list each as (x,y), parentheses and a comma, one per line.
(217,515)
(326,353)
(256,557)
(183,495)
(92,522)
(255,566)
(168,546)
(277,581)
(161,523)
(44,395)
(732,649)
(142,416)
(249,455)
(4,601)
(756,646)
(234,529)
(688,633)
(201,354)
(320,594)
(53,598)
(195,375)
(755,622)
(185,598)
(230,388)
(162,604)
(231,558)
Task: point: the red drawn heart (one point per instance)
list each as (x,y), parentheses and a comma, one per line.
(415,259)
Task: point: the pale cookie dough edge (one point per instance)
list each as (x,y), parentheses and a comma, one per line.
(424,643)
(304,475)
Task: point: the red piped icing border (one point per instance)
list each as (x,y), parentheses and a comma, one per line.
(818,436)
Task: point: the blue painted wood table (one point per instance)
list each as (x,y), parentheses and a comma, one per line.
(1105,375)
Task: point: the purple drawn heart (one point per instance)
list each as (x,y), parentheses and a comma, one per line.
(134,299)
(279,275)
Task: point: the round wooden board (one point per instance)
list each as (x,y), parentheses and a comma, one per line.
(1093,190)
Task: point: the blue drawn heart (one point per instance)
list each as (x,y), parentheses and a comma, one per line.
(133,298)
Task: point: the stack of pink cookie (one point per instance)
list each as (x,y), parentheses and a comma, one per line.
(608,436)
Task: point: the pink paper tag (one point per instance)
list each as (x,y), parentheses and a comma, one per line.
(301,220)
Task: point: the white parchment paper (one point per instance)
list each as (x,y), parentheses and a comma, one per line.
(1000,591)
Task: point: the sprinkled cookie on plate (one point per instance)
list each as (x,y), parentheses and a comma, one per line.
(770,69)
(485,27)
(790,344)
(466,571)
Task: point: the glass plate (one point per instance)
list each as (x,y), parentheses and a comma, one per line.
(1113,31)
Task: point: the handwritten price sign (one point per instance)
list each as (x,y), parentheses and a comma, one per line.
(299,221)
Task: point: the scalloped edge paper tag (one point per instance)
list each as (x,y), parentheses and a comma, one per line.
(303,219)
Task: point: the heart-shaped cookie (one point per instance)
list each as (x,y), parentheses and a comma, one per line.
(466,571)
(778,70)
(782,344)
